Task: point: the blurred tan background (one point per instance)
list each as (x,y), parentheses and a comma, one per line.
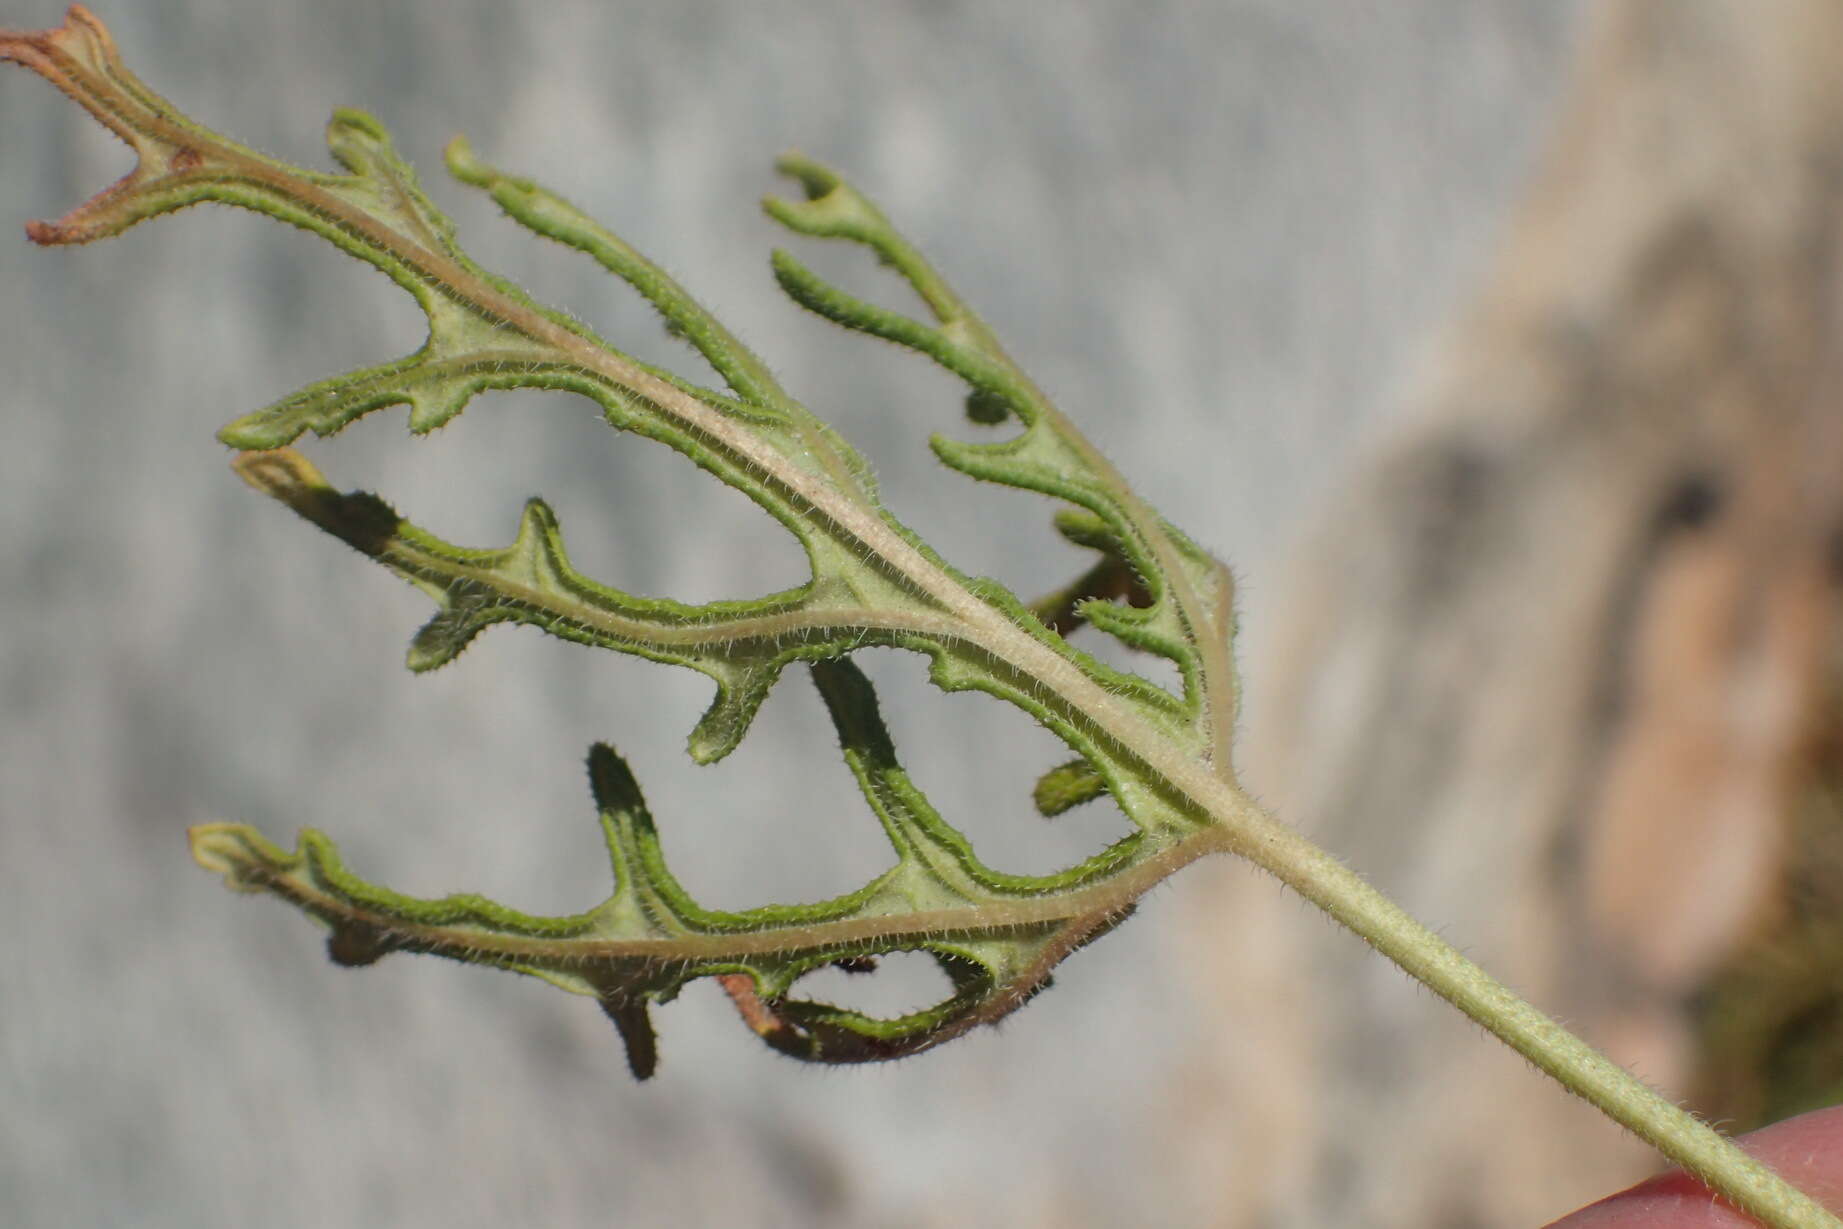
(1493,343)
(1558,666)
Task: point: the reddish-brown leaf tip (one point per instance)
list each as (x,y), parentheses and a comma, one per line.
(80,58)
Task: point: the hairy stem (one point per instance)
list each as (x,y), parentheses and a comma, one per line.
(1342,893)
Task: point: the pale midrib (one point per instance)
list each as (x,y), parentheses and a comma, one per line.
(982,625)
(1105,896)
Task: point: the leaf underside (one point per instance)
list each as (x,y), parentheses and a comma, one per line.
(872,584)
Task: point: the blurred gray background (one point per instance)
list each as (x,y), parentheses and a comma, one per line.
(1222,234)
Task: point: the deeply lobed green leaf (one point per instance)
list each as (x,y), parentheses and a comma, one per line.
(872,583)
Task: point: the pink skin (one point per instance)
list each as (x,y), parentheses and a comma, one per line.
(1807,1151)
